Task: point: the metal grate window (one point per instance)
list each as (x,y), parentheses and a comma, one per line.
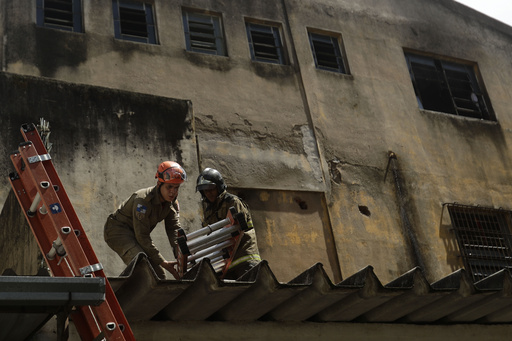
(134,21)
(203,33)
(265,43)
(60,14)
(484,239)
(448,87)
(327,52)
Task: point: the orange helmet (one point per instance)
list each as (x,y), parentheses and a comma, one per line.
(171,172)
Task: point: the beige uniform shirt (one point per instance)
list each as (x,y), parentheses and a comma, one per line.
(139,215)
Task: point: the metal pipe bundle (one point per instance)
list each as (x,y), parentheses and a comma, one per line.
(208,229)
(217,242)
(210,250)
(213,238)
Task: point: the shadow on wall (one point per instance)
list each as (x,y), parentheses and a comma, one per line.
(19,250)
(453,259)
(291,231)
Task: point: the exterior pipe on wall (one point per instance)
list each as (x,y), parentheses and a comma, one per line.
(402,200)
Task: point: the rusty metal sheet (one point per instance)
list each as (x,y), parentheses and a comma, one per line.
(204,296)
(140,292)
(458,291)
(311,296)
(496,293)
(318,294)
(368,293)
(261,296)
(415,292)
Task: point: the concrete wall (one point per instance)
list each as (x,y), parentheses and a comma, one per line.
(442,158)
(20,250)
(105,144)
(289,134)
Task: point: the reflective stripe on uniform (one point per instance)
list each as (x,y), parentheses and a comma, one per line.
(243,259)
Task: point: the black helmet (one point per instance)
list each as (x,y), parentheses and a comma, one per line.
(210,177)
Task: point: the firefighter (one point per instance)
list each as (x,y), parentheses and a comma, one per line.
(127,230)
(216,202)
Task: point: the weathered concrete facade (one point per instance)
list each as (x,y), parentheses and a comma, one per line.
(106,145)
(308,149)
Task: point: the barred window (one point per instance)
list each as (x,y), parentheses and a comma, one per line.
(484,239)
(134,21)
(265,43)
(60,14)
(327,52)
(448,87)
(203,33)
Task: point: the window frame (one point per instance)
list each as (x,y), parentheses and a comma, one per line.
(43,19)
(449,86)
(483,237)
(118,6)
(266,31)
(335,43)
(197,41)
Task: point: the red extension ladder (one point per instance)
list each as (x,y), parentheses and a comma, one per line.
(60,236)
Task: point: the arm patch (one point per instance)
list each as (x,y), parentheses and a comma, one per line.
(140,211)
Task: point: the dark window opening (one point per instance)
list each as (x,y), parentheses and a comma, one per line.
(448,87)
(60,14)
(203,33)
(265,43)
(134,21)
(484,239)
(327,53)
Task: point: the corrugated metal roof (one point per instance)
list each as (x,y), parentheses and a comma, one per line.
(311,296)
(28,302)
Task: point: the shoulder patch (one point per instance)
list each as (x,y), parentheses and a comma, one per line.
(141,211)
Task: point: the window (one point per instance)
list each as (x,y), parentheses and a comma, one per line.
(203,33)
(327,52)
(448,87)
(60,14)
(134,21)
(265,43)
(483,236)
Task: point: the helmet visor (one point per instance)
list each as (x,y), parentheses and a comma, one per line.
(174,175)
(206,186)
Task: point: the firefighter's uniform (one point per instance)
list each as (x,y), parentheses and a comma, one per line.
(247,254)
(127,231)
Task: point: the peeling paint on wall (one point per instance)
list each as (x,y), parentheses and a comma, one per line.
(310,147)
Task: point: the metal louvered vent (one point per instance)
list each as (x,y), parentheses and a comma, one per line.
(265,43)
(327,53)
(203,33)
(58,12)
(134,21)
